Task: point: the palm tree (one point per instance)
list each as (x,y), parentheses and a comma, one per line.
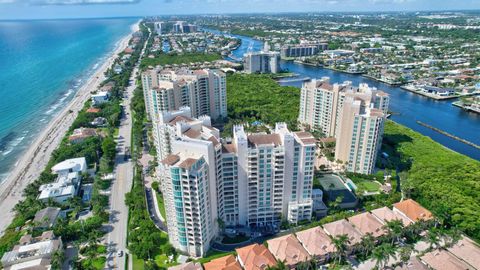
(405,254)
(382,254)
(394,229)
(341,243)
(367,244)
(433,238)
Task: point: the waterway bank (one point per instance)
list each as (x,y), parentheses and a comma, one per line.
(408,107)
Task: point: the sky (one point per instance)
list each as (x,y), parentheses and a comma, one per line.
(49,9)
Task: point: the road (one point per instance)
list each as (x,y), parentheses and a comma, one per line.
(116,238)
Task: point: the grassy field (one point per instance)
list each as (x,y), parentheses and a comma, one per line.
(137,263)
(368,186)
(213,254)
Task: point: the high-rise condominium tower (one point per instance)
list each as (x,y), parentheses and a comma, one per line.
(360,136)
(321,103)
(204,91)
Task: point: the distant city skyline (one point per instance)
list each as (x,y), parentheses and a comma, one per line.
(52,9)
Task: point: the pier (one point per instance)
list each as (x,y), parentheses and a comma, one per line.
(449,135)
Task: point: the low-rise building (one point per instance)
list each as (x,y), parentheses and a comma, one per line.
(412,210)
(343,227)
(224,263)
(317,243)
(47,217)
(319,207)
(67,183)
(80,134)
(289,250)
(255,257)
(32,252)
(100,98)
(444,260)
(367,223)
(386,214)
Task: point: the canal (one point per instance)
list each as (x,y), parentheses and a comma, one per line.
(408,108)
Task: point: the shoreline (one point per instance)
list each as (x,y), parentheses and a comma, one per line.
(35,158)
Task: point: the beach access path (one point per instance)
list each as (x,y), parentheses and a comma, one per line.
(35,159)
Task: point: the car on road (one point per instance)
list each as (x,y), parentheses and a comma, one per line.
(120,253)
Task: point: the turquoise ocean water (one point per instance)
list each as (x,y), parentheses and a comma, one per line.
(42,64)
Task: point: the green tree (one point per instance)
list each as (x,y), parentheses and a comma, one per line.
(341,243)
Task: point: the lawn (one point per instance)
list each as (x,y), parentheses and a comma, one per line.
(137,263)
(95,263)
(368,186)
(162,258)
(161,205)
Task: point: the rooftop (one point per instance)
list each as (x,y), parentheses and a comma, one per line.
(288,248)
(386,214)
(367,223)
(343,227)
(263,139)
(316,241)
(443,260)
(468,251)
(255,257)
(413,210)
(187,266)
(224,263)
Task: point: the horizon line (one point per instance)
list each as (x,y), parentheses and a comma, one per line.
(239,13)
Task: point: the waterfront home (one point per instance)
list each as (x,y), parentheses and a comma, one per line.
(224,263)
(255,257)
(47,217)
(367,223)
(67,183)
(289,250)
(32,252)
(412,210)
(317,243)
(117,69)
(100,98)
(80,134)
(441,92)
(343,227)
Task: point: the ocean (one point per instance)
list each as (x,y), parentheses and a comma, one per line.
(42,65)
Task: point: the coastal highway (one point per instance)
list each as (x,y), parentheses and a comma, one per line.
(116,238)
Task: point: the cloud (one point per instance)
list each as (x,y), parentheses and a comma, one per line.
(68,2)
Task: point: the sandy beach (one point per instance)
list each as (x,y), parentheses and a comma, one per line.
(34,160)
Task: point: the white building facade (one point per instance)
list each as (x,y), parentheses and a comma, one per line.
(204,91)
(262,62)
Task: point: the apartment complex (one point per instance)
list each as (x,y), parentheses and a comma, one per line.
(354,115)
(204,91)
(360,136)
(159,27)
(267,177)
(302,50)
(321,103)
(188,179)
(261,62)
(183,27)
(251,180)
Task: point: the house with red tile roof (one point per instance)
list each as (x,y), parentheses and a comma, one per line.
(255,257)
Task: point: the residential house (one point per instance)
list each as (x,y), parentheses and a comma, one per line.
(317,243)
(288,249)
(255,257)
(412,210)
(224,263)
